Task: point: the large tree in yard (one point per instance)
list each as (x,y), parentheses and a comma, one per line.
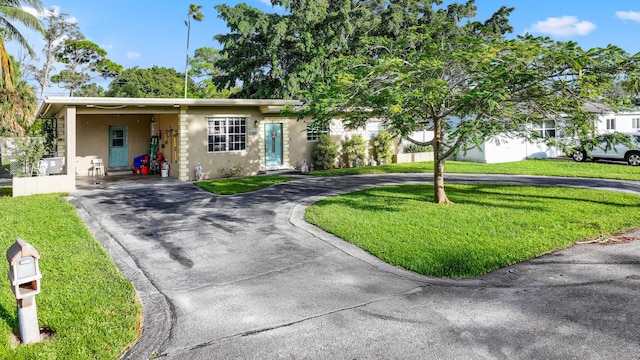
(84,60)
(427,66)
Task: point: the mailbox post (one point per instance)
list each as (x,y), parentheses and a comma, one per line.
(24,276)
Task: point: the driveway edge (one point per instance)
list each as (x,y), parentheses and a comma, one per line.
(156,317)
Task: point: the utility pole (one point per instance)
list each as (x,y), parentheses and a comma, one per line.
(194,12)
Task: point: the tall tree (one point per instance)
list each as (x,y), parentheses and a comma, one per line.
(195,14)
(58,28)
(276,56)
(84,60)
(204,70)
(17,105)
(11,11)
(156,82)
(426,68)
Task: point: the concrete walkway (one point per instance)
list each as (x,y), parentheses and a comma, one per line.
(245,277)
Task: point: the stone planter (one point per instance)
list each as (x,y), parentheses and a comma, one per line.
(23,186)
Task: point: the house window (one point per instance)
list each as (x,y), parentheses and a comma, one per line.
(546,129)
(227,134)
(635,123)
(313,132)
(611,124)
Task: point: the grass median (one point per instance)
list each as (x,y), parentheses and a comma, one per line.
(90,308)
(546,167)
(241,185)
(487,227)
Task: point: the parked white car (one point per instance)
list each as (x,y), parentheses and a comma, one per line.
(630,154)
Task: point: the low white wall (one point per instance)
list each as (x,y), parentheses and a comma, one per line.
(508,150)
(412,157)
(24,186)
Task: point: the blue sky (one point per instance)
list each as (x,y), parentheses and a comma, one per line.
(143,33)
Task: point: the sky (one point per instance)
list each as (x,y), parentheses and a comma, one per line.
(144,34)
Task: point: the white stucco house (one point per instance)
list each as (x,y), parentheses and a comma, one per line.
(506,149)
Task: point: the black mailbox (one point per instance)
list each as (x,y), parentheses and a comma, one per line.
(24,273)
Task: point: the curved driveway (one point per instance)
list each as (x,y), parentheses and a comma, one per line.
(245,277)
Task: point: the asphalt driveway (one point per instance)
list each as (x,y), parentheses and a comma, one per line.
(245,277)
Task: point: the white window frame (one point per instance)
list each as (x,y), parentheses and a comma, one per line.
(547,129)
(611,124)
(313,132)
(635,123)
(227,134)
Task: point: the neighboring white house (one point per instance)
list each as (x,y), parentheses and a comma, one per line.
(507,149)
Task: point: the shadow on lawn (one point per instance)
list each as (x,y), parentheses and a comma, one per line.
(393,198)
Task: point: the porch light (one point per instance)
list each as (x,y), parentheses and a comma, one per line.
(255,123)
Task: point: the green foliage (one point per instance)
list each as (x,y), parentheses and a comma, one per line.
(324,152)
(233,171)
(90,90)
(204,70)
(92,309)
(488,227)
(241,185)
(426,68)
(415,148)
(12,14)
(156,82)
(355,151)
(383,146)
(29,150)
(17,107)
(57,26)
(277,55)
(83,61)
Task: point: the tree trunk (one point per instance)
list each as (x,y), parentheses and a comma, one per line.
(439,195)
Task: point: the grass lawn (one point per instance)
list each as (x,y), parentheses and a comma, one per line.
(487,227)
(240,185)
(92,310)
(526,167)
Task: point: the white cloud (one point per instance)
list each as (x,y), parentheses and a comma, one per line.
(628,15)
(563,26)
(266,2)
(133,55)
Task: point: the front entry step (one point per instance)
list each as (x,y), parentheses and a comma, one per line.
(119,171)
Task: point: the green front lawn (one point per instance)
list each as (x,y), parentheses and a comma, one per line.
(487,227)
(91,308)
(240,185)
(546,167)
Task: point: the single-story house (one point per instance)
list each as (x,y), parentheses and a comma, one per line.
(213,133)
(507,149)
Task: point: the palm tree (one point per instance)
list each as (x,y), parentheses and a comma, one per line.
(12,11)
(194,12)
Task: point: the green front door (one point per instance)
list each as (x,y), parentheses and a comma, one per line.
(273,144)
(118,146)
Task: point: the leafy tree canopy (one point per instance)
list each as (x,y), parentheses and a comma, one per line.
(428,67)
(276,56)
(84,60)
(156,82)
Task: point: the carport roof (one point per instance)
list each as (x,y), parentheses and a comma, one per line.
(52,105)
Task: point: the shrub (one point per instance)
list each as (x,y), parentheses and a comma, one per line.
(356,150)
(232,171)
(415,148)
(28,152)
(383,147)
(324,153)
